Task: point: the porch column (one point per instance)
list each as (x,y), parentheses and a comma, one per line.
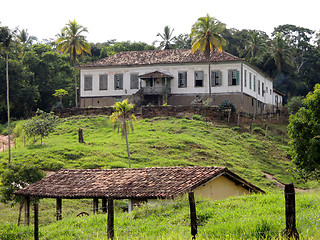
(104,205)
(27,210)
(193,215)
(110,229)
(36,221)
(59,209)
(95,205)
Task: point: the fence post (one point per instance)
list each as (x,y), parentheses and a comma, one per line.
(59,209)
(193,215)
(36,221)
(110,229)
(27,210)
(80,133)
(290,231)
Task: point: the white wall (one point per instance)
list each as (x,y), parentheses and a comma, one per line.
(173,71)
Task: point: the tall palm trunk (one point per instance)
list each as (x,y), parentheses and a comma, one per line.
(8,105)
(209,74)
(207,54)
(75,78)
(127,142)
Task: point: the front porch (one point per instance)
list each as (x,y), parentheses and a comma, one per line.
(155,87)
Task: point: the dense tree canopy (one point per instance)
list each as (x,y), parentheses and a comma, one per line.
(304,130)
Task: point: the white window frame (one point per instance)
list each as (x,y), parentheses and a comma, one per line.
(103,82)
(87,83)
(198,78)
(182,79)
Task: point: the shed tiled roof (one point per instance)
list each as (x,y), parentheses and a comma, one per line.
(167,182)
(151,57)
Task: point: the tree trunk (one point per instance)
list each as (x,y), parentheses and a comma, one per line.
(8,106)
(127,143)
(209,74)
(75,78)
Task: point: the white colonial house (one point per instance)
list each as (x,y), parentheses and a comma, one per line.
(177,77)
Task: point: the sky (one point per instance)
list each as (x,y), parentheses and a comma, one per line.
(141,20)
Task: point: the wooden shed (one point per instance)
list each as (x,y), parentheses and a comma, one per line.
(137,184)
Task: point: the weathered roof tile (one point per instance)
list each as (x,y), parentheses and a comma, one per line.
(166,182)
(170,56)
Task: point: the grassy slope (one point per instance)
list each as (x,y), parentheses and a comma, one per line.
(160,142)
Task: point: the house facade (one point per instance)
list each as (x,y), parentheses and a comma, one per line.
(175,77)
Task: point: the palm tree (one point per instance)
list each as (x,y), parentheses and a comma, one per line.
(73,42)
(6,39)
(122,113)
(280,52)
(206,34)
(25,38)
(254,46)
(167,38)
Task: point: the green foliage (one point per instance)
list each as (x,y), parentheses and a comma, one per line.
(40,125)
(60,93)
(15,177)
(226,104)
(294,104)
(197,117)
(116,47)
(304,130)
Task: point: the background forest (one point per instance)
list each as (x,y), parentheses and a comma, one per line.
(291,55)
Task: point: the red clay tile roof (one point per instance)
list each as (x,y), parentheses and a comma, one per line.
(170,56)
(167,182)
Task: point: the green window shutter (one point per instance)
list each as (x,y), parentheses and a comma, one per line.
(220,78)
(229,77)
(238,78)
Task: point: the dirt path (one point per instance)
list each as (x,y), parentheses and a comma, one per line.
(4,143)
(281,185)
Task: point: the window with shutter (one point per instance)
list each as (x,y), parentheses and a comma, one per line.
(215,78)
(134,81)
(259,87)
(198,77)
(233,78)
(103,82)
(254,83)
(182,79)
(250,80)
(118,81)
(88,83)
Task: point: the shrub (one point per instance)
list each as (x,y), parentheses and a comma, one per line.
(196,117)
(259,130)
(226,104)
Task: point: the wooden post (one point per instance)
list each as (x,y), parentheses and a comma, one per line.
(110,229)
(104,205)
(290,231)
(59,209)
(193,215)
(27,210)
(80,134)
(266,132)
(36,221)
(95,205)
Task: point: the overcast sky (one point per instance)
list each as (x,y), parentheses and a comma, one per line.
(141,20)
